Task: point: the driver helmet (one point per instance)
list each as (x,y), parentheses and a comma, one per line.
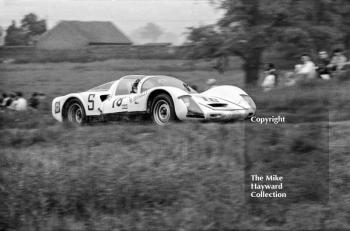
(134,86)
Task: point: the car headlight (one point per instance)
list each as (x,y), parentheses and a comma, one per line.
(193,110)
(57,107)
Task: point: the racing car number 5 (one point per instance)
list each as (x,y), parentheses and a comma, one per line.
(91,102)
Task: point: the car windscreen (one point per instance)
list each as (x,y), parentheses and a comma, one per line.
(103,87)
(166,81)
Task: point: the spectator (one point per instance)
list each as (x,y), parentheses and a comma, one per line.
(338,60)
(7,99)
(307,70)
(322,67)
(290,80)
(211,83)
(19,104)
(34,100)
(270,80)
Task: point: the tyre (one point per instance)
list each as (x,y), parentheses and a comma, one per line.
(75,112)
(163,110)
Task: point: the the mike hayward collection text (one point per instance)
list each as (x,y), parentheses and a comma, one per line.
(268,186)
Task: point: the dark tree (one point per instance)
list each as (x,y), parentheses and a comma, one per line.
(31,28)
(15,36)
(249,27)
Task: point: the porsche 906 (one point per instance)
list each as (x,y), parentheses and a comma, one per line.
(164,98)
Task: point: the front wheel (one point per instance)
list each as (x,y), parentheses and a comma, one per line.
(75,112)
(163,111)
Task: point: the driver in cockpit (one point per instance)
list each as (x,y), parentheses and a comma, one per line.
(134,86)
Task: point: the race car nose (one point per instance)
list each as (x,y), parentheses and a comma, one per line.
(251,111)
(250,114)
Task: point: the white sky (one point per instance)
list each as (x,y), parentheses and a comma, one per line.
(172,15)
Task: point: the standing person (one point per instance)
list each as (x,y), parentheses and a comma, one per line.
(307,70)
(19,104)
(34,100)
(323,70)
(270,80)
(338,60)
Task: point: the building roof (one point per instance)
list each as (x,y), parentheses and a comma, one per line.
(94,32)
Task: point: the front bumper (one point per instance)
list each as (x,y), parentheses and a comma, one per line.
(222,115)
(56,109)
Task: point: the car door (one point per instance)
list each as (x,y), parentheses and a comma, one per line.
(121,98)
(138,102)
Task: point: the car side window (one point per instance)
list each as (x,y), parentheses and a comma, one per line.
(124,87)
(148,84)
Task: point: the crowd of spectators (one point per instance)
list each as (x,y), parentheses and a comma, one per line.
(324,68)
(16,101)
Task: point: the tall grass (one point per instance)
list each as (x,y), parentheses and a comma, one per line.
(140,177)
(121,176)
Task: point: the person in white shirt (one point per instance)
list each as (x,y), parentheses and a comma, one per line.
(270,80)
(308,69)
(19,104)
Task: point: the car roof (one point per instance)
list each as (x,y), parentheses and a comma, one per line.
(144,76)
(133,77)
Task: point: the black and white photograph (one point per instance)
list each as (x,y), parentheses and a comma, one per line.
(174,115)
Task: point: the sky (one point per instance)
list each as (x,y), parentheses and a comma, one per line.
(172,16)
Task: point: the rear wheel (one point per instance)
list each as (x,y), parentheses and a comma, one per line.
(162,110)
(75,112)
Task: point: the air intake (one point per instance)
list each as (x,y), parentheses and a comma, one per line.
(218,104)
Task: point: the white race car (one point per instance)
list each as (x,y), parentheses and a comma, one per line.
(164,98)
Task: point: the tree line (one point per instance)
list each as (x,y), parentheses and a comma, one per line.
(249,27)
